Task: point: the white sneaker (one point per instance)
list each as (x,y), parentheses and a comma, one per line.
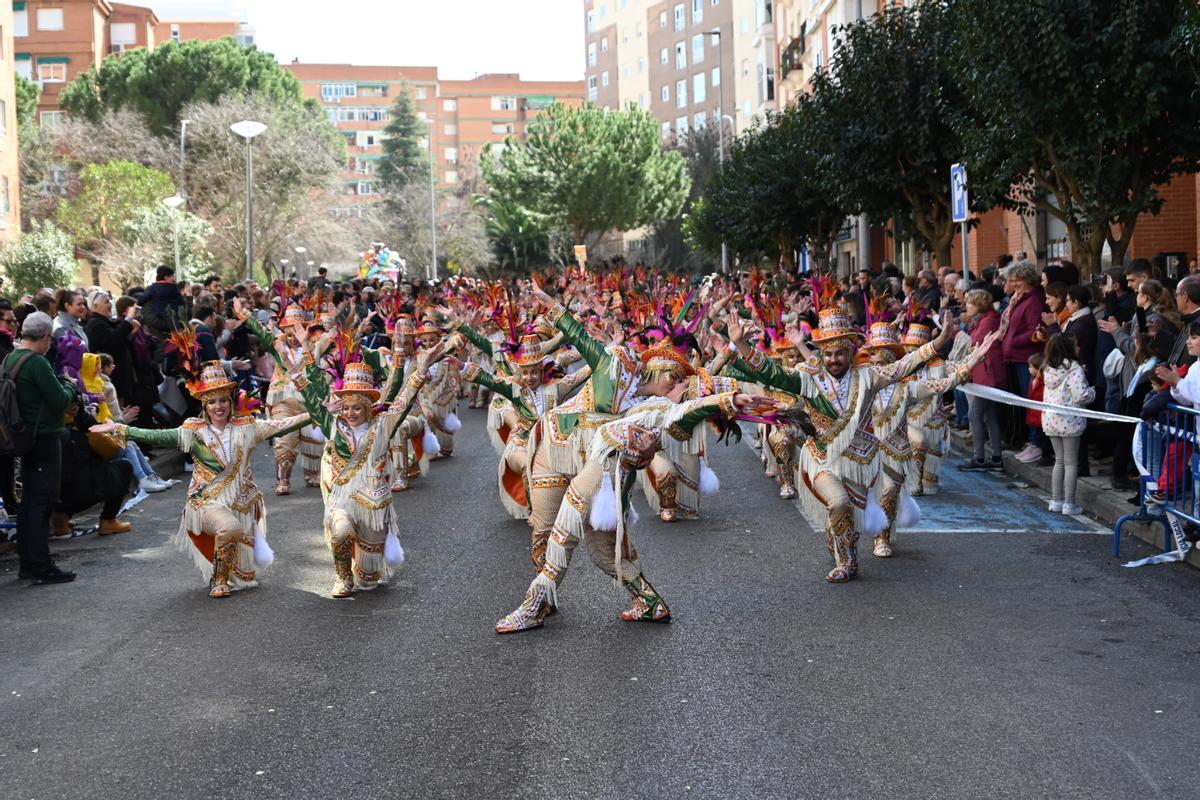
(1071,510)
(151,484)
(1056,506)
(1030,454)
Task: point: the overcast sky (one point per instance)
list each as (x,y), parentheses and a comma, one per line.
(540,39)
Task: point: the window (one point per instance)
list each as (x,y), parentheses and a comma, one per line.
(681,100)
(665,56)
(680,55)
(450,154)
(52,73)
(450,129)
(336,91)
(697,11)
(25,68)
(123,33)
(592,88)
(625,71)
(176,36)
(642,101)
(451,176)
(697,48)
(662,20)
(624,37)
(3,118)
(21,23)
(745,25)
(592,54)
(700,120)
(666,93)
(422,93)
(716,77)
(591,22)
(666,129)
(449,105)
(365,187)
(50,19)
(641,65)
(363,166)
(641,30)
(503,128)
(681,126)
(698,88)
(746,108)
(604,78)
(504,104)
(52,120)
(5,199)
(680,17)
(603,11)
(604,45)
(745,68)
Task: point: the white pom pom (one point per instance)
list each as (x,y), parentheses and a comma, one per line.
(453,423)
(710,484)
(430,442)
(264,556)
(393,553)
(874,521)
(604,506)
(909,513)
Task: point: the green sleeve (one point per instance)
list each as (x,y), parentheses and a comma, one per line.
(374,359)
(315,390)
(732,371)
(168,437)
(770,374)
(49,386)
(688,422)
(592,351)
(266,339)
(508,390)
(476,338)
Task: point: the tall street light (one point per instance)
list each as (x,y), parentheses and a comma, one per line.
(174,204)
(248,129)
(716,32)
(300,251)
(433,270)
(183,123)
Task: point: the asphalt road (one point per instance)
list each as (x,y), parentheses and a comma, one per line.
(1021,664)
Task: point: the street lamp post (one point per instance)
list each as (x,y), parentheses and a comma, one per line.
(183,123)
(716,32)
(174,203)
(300,251)
(433,269)
(248,129)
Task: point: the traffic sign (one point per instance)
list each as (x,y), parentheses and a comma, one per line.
(958,193)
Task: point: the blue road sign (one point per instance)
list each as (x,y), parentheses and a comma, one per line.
(958,192)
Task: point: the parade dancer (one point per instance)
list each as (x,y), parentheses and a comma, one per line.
(890,407)
(283,399)
(560,440)
(439,399)
(839,464)
(597,508)
(224,522)
(928,431)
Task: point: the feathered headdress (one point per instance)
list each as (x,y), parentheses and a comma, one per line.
(182,342)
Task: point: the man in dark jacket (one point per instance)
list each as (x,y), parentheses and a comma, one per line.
(1187,298)
(111,336)
(43,401)
(162,304)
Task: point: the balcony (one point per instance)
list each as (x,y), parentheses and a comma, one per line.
(791,58)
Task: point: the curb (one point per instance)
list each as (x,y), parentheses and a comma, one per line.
(1095,494)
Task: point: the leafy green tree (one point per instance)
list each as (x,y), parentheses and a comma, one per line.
(1081,109)
(27,105)
(41,257)
(404,159)
(519,238)
(588,171)
(890,100)
(158,83)
(147,240)
(701,151)
(776,194)
(110,195)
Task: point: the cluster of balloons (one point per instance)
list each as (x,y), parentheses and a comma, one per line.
(380,262)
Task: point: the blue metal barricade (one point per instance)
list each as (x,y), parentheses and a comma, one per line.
(1171,473)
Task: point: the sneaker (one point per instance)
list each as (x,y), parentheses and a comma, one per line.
(152,484)
(995,464)
(52,574)
(1055,507)
(1071,510)
(973,466)
(1030,454)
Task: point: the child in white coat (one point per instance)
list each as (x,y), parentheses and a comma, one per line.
(1066,385)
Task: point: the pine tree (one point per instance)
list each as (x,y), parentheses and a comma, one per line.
(403,156)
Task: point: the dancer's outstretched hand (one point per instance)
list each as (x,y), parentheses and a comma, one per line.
(106,427)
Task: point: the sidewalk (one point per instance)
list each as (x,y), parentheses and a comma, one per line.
(1099,500)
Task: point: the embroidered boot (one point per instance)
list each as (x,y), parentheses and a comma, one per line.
(668,493)
(647,605)
(530,614)
(223,559)
(343,555)
(283,475)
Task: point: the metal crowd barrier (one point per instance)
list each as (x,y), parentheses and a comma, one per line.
(1171,480)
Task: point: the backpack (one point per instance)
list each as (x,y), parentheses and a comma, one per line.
(16,437)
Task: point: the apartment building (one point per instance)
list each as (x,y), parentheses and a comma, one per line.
(463,116)
(679,60)
(10,176)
